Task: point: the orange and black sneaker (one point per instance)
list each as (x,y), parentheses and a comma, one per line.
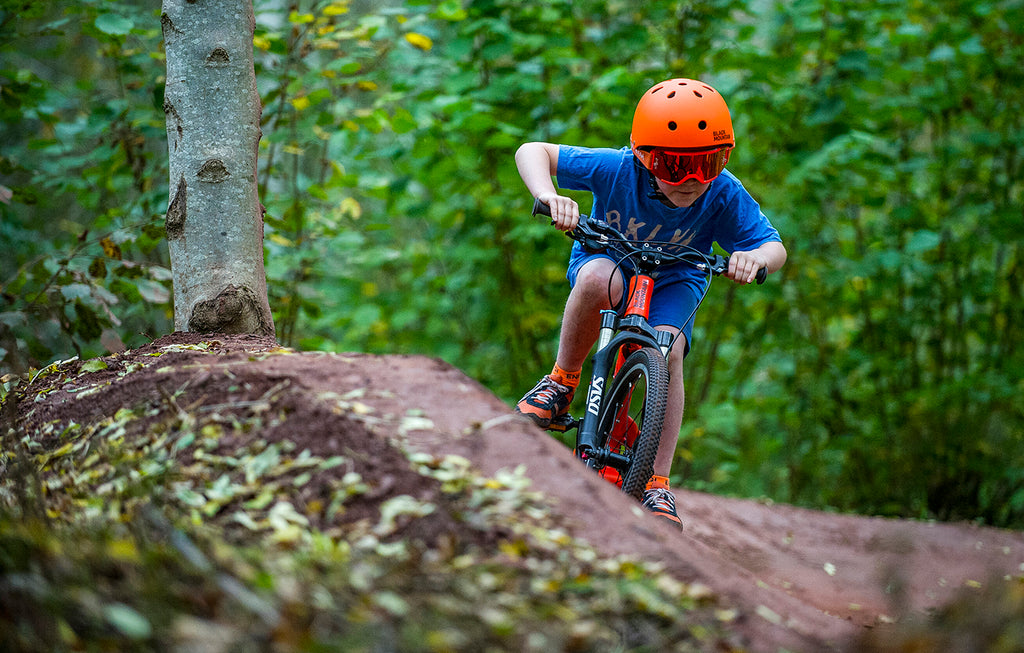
(659,500)
(546,401)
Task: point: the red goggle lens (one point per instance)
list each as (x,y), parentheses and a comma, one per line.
(676,167)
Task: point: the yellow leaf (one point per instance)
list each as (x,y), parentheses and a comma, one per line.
(66,449)
(280,240)
(350,206)
(111,249)
(336,9)
(300,103)
(359,408)
(367,85)
(515,550)
(123,550)
(419,41)
(261,42)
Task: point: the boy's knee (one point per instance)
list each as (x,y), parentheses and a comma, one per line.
(596,274)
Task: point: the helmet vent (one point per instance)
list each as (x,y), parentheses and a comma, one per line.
(672,125)
(697,93)
(672,94)
(702,125)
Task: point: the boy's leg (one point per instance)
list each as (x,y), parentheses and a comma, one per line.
(581,323)
(674,410)
(658,498)
(581,320)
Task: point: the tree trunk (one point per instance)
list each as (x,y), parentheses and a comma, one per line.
(214,217)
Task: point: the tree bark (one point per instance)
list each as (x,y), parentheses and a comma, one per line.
(214,219)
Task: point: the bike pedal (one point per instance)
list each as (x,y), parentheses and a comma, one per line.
(563,423)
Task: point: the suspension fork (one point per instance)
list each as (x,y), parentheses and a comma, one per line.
(606,361)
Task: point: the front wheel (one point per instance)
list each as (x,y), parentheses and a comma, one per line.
(631,418)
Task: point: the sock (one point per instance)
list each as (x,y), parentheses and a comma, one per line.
(658,481)
(569,379)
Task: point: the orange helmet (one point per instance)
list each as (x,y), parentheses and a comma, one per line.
(681,130)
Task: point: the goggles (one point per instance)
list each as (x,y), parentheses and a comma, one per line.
(674,168)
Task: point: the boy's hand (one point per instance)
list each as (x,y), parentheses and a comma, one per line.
(743,266)
(565,213)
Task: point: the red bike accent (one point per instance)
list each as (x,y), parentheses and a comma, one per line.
(640,288)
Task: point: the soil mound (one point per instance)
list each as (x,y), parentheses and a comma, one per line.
(801,580)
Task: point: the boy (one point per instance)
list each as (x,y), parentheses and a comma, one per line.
(670,184)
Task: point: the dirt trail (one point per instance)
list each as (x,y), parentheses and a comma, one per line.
(800,580)
(805,580)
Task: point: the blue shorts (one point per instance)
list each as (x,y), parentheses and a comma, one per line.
(678,290)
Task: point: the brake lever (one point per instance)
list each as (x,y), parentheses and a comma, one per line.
(718,265)
(590,239)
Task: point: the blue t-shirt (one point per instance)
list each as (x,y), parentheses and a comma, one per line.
(725,213)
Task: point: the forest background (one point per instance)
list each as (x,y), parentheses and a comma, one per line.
(879,372)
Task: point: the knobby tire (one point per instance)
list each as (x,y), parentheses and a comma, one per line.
(645,365)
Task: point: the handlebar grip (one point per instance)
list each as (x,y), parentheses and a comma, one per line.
(762,274)
(540,208)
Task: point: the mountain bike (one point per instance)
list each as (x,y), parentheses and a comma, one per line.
(620,430)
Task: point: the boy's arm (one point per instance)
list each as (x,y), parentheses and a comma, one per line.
(743,266)
(537,163)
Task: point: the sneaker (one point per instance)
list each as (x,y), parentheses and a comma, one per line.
(546,401)
(661,502)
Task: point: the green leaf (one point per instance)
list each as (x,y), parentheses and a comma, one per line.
(125,619)
(114,24)
(94,365)
(153,291)
(923,241)
(260,464)
(944,52)
(451,10)
(76,291)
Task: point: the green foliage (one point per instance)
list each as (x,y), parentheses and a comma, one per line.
(82,181)
(878,372)
(883,380)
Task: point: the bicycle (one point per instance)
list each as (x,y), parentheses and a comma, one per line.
(620,430)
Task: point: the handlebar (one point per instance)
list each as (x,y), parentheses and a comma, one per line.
(596,235)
